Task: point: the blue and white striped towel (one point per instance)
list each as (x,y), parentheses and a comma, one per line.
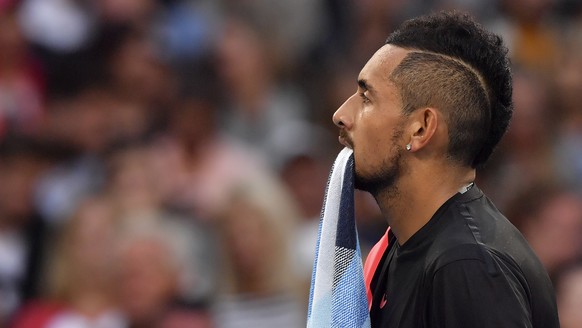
(338,294)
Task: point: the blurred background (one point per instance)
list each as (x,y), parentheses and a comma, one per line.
(163,162)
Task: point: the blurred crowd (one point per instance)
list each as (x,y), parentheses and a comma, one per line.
(163,162)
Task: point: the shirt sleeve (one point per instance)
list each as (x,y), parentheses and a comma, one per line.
(466,293)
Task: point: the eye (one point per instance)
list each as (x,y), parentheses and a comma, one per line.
(365,99)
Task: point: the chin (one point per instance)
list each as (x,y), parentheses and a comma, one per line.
(366,181)
(366,184)
(382,180)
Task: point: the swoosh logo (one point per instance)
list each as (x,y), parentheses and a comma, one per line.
(383,301)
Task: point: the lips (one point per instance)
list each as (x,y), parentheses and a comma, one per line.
(345,139)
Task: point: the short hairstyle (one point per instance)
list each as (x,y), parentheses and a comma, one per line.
(462,69)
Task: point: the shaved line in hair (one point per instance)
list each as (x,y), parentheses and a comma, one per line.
(478,75)
(431,79)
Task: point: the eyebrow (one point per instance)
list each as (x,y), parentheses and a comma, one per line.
(365,85)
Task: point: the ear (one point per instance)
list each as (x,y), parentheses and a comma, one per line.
(424,124)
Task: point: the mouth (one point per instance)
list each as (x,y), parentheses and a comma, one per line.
(345,139)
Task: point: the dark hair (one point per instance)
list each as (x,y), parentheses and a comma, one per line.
(462,68)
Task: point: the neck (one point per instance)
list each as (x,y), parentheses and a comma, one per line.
(92,304)
(415,198)
(253,286)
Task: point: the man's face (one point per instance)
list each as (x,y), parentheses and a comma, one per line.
(371,123)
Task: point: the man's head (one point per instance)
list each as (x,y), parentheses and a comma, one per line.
(442,85)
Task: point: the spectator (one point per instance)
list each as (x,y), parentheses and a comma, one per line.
(569,295)
(152,260)
(526,154)
(21,79)
(202,162)
(257,103)
(137,197)
(550,218)
(258,288)
(81,286)
(80,123)
(530,33)
(568,87)
(22,231)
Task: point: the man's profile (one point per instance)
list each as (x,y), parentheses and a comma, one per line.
(430,107)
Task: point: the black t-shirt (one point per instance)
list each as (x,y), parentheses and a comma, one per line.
(467,267)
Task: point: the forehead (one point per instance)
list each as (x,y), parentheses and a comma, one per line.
(382,63)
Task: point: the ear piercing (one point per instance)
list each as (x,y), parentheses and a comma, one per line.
(408,147)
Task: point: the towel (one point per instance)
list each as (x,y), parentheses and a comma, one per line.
(338,294)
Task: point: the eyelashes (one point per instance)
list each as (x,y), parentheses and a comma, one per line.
(365,99)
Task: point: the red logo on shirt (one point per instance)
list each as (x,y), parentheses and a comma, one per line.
(383,301)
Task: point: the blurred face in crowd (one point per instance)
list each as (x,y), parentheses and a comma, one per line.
(194,122)
(371,122)
(132,182)
(556,233)
(92,240)
(249,240)
(569,298)
(83,261)
(138,72)
(569,80)
(309,196)
(133,11)
(243,62)
(17,176)
(527,10)
(529,126)
(148,279)
(84,121)
(12,45)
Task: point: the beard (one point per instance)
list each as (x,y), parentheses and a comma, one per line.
(383,180)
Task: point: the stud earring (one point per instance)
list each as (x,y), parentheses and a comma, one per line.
(408,147)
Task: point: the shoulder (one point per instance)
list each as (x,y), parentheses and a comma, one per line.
(474,229)
(36,314)
(488,263)
(480,263)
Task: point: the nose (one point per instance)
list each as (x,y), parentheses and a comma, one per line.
(341,118)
